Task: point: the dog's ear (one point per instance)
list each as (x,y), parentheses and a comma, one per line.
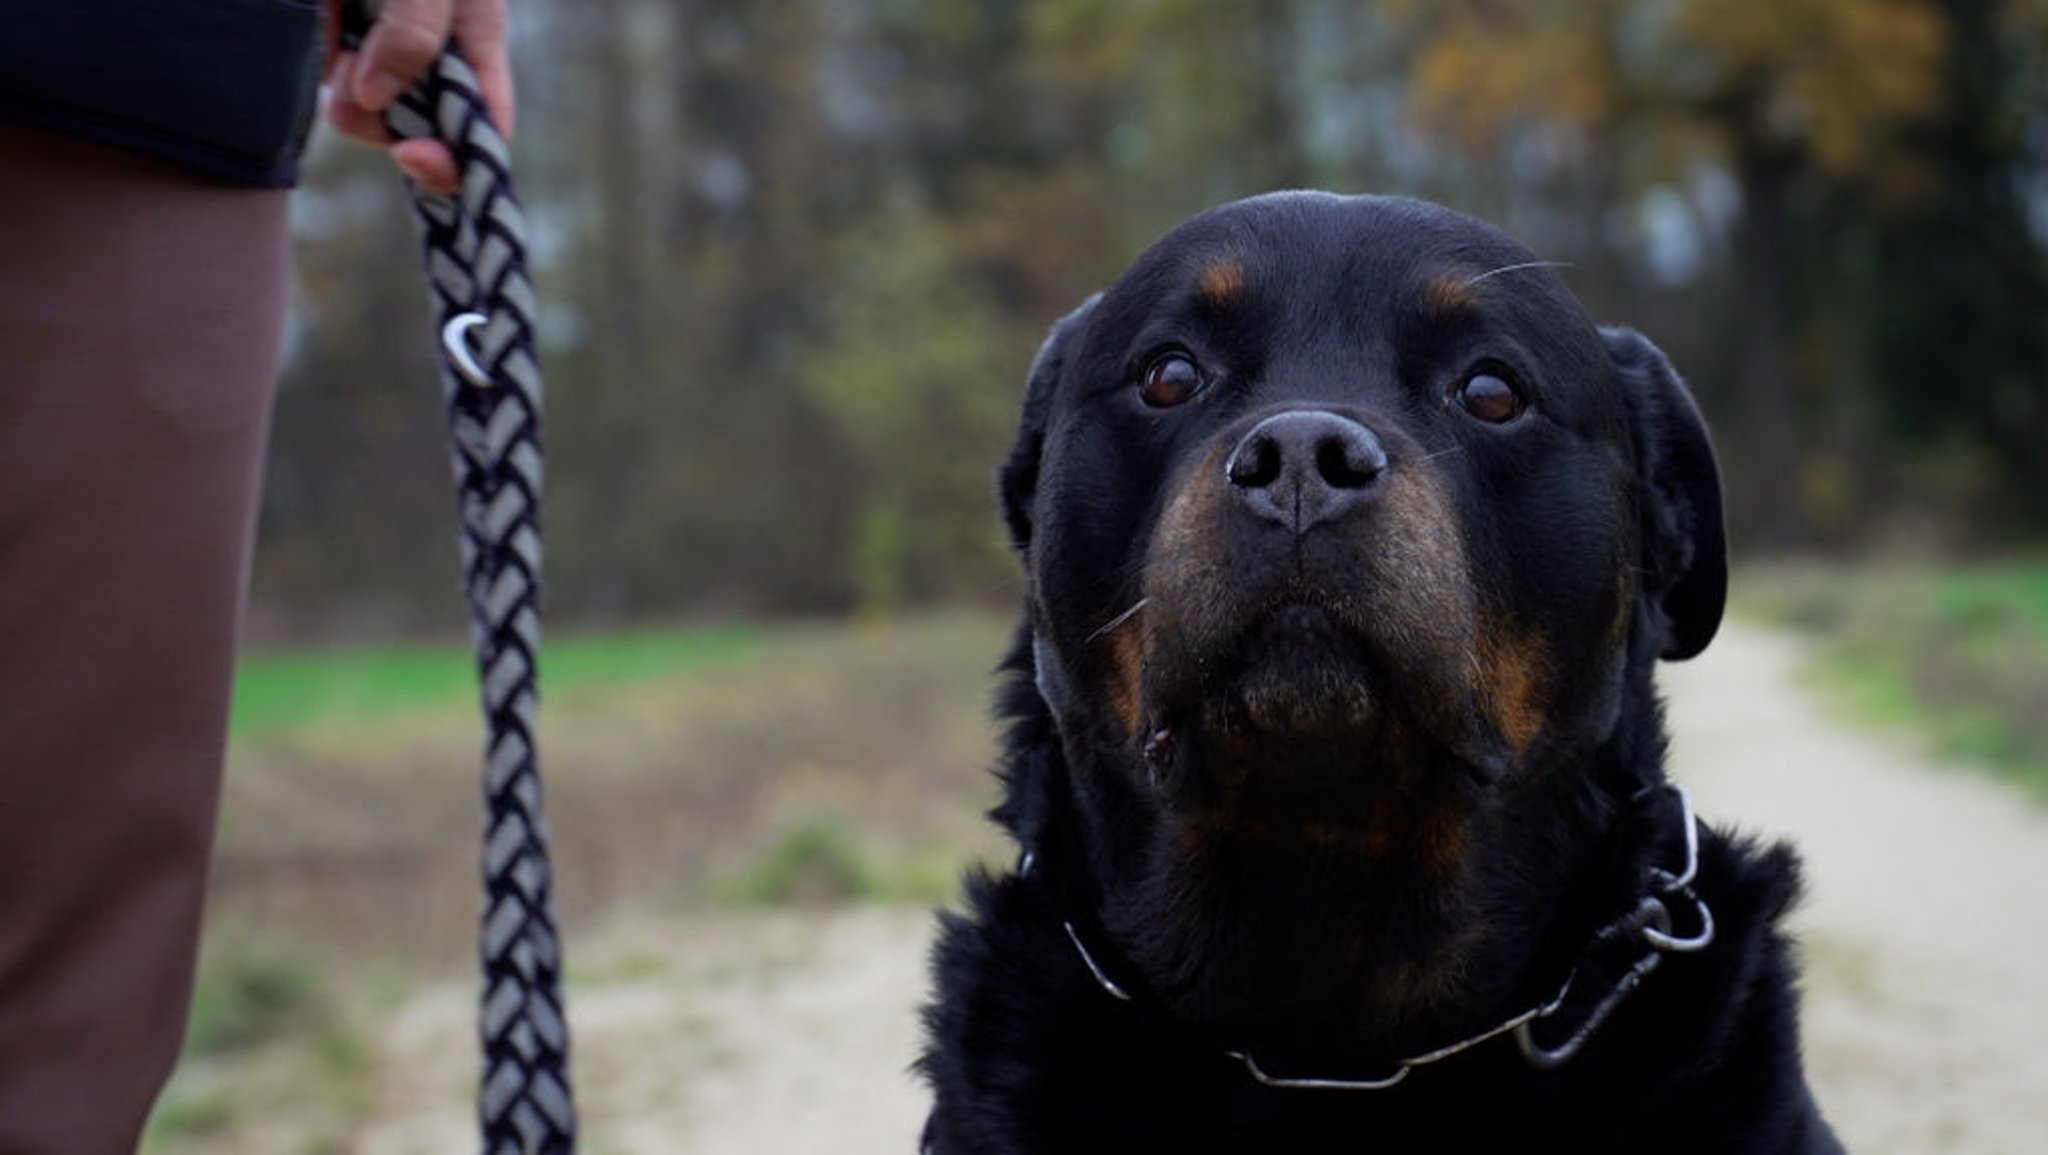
(1017,481)
(1685,547)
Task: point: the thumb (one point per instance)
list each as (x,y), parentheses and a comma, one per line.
(407,37)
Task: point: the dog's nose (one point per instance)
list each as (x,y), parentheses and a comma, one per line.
(1305,466)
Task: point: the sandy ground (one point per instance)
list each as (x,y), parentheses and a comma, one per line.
(750,1034)
(1926,926)
(1925,934)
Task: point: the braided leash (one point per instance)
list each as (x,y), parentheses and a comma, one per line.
(474,247)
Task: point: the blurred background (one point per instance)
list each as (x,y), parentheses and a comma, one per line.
(794,256)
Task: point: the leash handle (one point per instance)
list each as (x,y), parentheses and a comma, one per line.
(474,249)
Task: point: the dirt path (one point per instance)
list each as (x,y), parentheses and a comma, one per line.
(743,1035)
(1926,935)
(1926,926)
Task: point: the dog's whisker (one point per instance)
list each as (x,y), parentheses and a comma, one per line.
(1120,619)
(1515,268)
(1440,453)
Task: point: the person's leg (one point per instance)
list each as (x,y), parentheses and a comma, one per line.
(141,318)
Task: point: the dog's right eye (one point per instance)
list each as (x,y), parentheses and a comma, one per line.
(1171,379)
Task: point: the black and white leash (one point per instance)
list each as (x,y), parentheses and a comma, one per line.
(474,247)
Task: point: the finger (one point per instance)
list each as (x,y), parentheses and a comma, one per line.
(407,37)
(480,31)
(353,120)
(336,85)
(430,165)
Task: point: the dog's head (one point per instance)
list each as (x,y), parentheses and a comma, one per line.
(1350,540)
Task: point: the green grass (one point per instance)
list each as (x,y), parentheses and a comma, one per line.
(190,1117)
(729,772)
(282,690)
(817,861)
(796,762)
(2007,596)
(1958,653)
(251,998)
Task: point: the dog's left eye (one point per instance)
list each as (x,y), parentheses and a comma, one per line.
(1171,379)
(1489,396)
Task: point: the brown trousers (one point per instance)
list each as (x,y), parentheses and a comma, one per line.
(141,318)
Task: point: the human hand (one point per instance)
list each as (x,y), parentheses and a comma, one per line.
(407,37)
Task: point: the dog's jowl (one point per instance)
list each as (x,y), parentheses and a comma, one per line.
(1334,760)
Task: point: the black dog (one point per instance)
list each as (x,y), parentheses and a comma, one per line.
(1334,755)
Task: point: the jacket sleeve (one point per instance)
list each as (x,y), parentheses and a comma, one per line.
(227,88)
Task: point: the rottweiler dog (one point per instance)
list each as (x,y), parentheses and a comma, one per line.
(1333,753)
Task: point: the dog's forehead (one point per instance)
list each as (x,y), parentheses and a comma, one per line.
(1391,253)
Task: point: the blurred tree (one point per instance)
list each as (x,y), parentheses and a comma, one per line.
(358,519)
(794,255)
(926,417)
(1013,123)
(1785,96)
(1958,326)
(692,470)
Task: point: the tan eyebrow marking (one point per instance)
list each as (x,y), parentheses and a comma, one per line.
(1221,282)
(1449,294)
(1452,292)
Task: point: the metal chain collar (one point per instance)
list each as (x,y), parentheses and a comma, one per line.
(1649,926)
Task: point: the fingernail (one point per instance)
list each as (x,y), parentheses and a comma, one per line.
(378,89)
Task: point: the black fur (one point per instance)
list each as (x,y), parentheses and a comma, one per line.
(1353,784)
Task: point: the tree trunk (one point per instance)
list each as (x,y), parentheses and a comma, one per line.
(1764,485)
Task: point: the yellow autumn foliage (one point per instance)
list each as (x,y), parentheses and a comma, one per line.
(1834,77)
(1837,73)
(1480,79)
